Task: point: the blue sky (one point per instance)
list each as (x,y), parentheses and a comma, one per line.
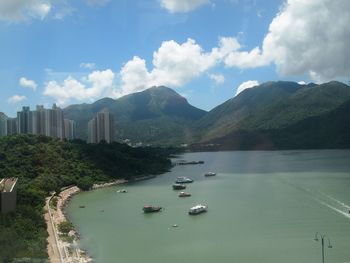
(79,51)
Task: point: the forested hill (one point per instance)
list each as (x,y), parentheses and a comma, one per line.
(157,115)
(43,164)
(279,115)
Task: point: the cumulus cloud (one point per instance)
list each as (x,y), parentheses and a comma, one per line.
(16,99)
(217,78)
(182,6)
(27,83)
(306,37)
(16,10)
(96,85)
(88,65)
(173,64)
(247,85)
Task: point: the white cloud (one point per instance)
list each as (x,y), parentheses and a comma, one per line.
(27,83)
(16,10)
(16,99)
(96,85)
(301,82)
(87,65)
(174,65)
(182,6)
(311,37)
(247,85)
(218,78)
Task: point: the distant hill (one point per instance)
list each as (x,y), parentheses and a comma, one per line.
(279,115)
(157,115)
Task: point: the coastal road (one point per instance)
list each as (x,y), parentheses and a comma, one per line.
(52,246)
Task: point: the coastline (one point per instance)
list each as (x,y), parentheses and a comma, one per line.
(59,250)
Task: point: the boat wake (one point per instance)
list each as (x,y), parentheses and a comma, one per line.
(325,200)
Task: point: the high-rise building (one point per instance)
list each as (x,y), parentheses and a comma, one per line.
(69,129)
(26,121)
(101,128)
(54,122)
(3,124)
(12,126)
(48,122)
(40,120)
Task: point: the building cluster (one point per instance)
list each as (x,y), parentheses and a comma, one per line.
(47,122)
(101,127)
(8,195)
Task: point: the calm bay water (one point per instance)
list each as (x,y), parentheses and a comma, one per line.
(264,207)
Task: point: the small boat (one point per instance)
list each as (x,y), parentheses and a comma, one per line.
(198,209)
(210,174)
(179,186)
(183,180)
(184,194)
(151,209)
(122,191)
(82,206)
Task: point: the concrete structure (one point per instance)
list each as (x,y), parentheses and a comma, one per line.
(69,129)
(101,128)
(3,124)
(8,195)
(11,126)
(47,122)
(26,121)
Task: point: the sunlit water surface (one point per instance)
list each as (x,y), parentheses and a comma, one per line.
(264,207)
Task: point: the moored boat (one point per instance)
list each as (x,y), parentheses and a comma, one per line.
(210,174)
(179,186)
(183,180)
(184,194)
(198,209)
(151,209)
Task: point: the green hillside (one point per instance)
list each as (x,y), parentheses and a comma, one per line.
(157,115)
(44,164)
(270,106)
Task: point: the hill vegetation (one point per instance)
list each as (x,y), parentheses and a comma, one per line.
(263,117)
(43,165)
(157,115)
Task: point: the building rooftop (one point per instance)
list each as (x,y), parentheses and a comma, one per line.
(7,184)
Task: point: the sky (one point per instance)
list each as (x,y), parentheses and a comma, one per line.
(78,51)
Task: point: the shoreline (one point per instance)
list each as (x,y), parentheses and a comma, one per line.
(59,250)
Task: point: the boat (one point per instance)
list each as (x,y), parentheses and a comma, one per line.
(122,191)
(183,180)
(151,209)
(182,162)
(179,186)
(82,206)
(198,209)
(210,174)
(184,194)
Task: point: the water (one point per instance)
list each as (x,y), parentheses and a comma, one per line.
(264,207)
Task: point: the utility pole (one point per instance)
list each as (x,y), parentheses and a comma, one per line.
(322,236)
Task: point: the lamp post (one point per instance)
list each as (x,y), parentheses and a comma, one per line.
(322,236)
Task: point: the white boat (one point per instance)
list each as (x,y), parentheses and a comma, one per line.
(198,209)
(183,180)
(210,174)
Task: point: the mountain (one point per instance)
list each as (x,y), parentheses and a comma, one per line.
(157,115)
(278,115)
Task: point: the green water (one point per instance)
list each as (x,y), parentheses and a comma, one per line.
(264,207)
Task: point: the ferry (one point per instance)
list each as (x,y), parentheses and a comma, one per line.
(179,186)
(183,180)
(151,209)
(184,194)
(198,209)
(210,174)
